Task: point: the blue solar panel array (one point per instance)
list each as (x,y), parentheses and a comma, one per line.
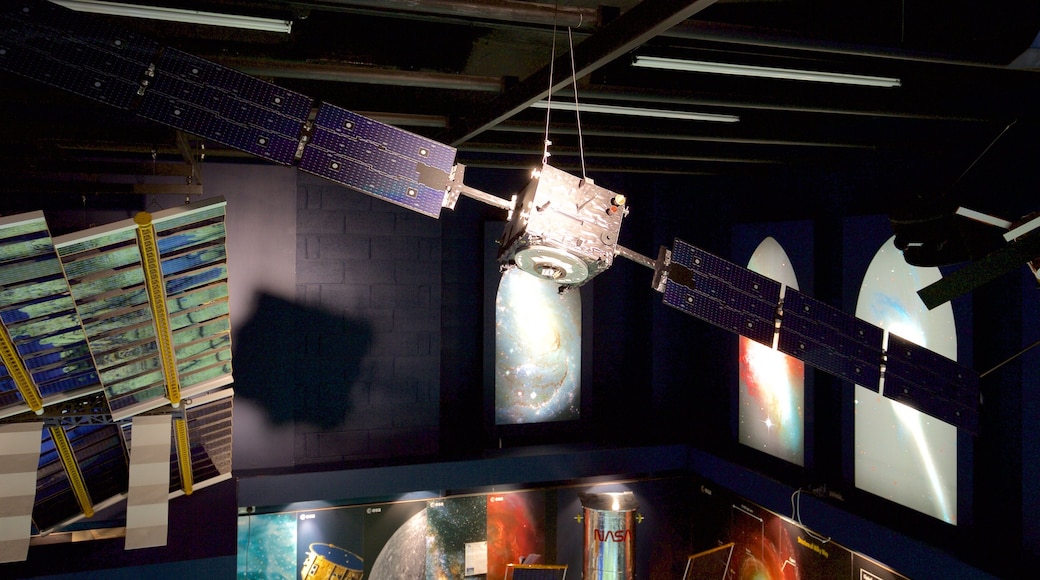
(218,103)
(831,340)
(914,374)
(60,47)
(722,293)
(380,160)
(57,46)
(747,303)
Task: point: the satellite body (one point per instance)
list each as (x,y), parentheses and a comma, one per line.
(563,228)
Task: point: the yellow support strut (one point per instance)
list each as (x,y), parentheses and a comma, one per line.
(79,488)
(180,429)
(16,368)
(153,280)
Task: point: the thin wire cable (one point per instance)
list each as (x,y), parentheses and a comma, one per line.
(796,515)
(577,112)
(548,100)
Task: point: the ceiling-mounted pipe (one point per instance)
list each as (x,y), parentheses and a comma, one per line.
(360,74)
(542,14)
(750,36)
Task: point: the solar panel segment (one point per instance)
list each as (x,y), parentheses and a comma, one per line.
(925,380)
(39,319)
(378,159)
(88,57)
(722,293)
(739,300)
(218,103)
(831,340)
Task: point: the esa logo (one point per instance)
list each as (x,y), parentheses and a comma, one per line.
(612,535)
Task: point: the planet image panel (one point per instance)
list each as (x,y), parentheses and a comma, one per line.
(403,555)
(537,351)
(772,384)
(902,454)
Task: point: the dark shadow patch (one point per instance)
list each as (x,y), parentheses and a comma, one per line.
(299,363)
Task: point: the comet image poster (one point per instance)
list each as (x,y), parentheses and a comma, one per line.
(537,351)
(772,384)
(902,454)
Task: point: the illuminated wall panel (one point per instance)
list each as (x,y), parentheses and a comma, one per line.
(772,384)
(537,351)
(901,454)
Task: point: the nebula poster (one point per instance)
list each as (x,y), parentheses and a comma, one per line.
(515,530)
(537,351)
(453,524)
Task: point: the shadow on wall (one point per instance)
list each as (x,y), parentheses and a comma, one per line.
(299,363)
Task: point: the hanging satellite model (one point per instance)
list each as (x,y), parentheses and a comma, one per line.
(560,227)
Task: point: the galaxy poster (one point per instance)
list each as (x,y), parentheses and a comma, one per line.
(516,524)
(772,386)
(537,351)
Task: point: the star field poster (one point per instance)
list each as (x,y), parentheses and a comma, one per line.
(267,547)
(453,524)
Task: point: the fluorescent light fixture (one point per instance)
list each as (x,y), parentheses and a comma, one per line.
(635,111)
(763,72)
(178,15)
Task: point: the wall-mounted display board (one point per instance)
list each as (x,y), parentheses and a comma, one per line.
(686,528)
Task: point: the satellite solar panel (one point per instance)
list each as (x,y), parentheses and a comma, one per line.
(191,245)
(831,340)
(38,313)
(931,383)
(218,103)
(54,45)
(209,436)
(722,293)
(378,159)
(104,272)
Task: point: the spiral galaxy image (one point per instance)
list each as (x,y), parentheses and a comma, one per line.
(537,351)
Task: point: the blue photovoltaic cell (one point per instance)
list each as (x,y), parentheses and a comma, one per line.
(831,340)
(378,159)
(218,103)
(722,293)
(931,383)
(57,46)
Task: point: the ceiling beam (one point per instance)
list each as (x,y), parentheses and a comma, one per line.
(628,31)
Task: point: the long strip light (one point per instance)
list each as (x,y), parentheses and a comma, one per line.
(634,111)
(178,15)
(763,72)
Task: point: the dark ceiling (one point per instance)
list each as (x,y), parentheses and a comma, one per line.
(466,72)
